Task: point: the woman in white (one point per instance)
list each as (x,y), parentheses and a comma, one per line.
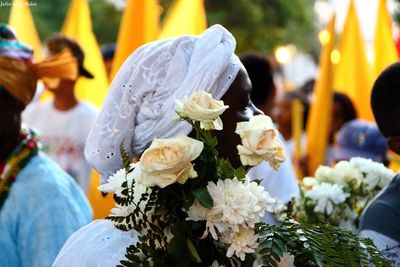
(140,107)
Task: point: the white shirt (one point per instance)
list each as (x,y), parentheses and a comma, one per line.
(63,134)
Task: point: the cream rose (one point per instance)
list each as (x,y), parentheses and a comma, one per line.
(168,161)
(259,142)
(202,107)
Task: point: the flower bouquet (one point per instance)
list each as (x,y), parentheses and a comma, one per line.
(339,194)
(186,206)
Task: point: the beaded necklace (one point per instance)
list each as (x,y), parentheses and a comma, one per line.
(27,147)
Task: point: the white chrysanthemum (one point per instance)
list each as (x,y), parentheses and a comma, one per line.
(280,211)
(324,174)
(310,181)
(325,196)
(233,200)
(264,201)
(216,264)
(347,173)
(114,182)
(122,210)
(241,242)
(375,174)
(198,212)
(234,204)
(287,260)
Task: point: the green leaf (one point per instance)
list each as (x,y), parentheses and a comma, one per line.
(126,159)
(225,169)
(204,197)
(240,173)
(193,251)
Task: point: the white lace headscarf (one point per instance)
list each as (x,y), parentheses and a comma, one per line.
(140,103)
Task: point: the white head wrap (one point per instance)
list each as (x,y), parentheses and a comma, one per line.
(140,103)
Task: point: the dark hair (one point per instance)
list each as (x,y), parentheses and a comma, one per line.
(108,51)
(346,106)
(385,100)
(260,73)
(10,101)
(308,87)
(57,43)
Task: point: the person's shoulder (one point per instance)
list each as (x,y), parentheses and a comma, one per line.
(42,174)
(34,108)
(88,107)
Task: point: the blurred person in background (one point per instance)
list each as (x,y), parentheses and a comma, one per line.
(343,111)
(281,184)
(108,52)
(359,138)
(40,205)
(64,122)
(282,115)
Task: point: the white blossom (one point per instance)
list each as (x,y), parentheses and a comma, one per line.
(115,181)
(239,202)
(241,242)
(287,260)
(325,196)
(216,264)
(376,174)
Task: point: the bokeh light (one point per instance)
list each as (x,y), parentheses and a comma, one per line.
(335,56)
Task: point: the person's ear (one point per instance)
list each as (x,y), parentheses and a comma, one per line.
(394,143)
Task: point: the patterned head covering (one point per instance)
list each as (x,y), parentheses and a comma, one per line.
(18,75)
(140,103)
(10,47)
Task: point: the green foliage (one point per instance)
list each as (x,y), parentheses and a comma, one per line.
(257,24)
(263,24)
(316,245)
(203,197)
(126,160)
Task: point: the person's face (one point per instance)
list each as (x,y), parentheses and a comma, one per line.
(64,86)
(282,115)
(240,109)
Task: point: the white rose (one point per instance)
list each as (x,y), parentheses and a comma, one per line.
(259,142)
(202,107)
(168,161)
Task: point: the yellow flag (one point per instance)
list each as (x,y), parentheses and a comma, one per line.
(384,46)
(78,25)
(353,74)
(184,17)
(319,120)
(21,20)
(139,25)
(101,205)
